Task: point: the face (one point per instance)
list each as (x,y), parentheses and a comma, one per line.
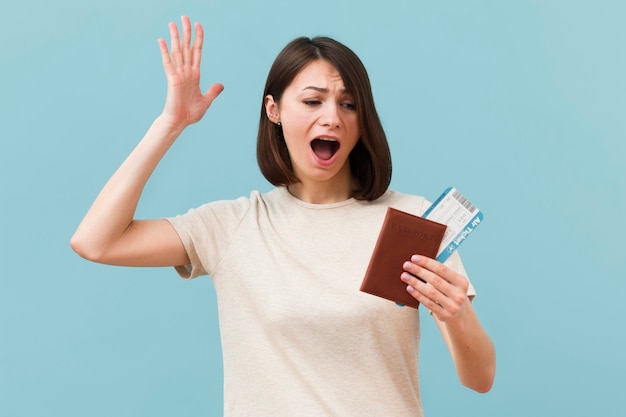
(319,122)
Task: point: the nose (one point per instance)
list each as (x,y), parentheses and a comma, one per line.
(330,116)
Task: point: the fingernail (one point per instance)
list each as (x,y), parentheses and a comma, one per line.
(405,277)
(415,258)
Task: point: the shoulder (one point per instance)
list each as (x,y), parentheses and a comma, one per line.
(233,209)
(255,198)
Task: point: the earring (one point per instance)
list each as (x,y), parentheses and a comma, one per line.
(278,123)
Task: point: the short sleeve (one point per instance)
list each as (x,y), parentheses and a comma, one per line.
(206,232)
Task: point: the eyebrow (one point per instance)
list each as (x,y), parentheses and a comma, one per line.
(322,90)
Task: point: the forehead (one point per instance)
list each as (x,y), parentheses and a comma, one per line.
(319,74)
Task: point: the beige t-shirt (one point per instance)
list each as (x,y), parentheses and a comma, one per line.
(298,337)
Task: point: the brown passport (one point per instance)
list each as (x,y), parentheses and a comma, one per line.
(401,236)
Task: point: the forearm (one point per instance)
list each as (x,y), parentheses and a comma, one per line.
(113,209)
(471,348)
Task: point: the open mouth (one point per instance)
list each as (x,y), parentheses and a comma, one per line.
(324,148)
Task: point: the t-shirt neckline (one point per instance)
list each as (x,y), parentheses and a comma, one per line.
(314,206)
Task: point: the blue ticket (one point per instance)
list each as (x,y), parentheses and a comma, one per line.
(459,215)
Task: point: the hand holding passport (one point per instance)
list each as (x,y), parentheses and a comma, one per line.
(450,219)
(402,235)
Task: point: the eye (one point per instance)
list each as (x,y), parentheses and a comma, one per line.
(349,105)
(311,102)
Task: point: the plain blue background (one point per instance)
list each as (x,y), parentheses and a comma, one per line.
(519,104)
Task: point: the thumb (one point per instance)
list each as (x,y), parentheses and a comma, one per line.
(213,92)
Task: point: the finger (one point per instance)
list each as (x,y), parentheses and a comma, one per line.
(422,291)
(196,51)
(186,50)
(439,269)
(439,283)
(437,303)
(431,272)
(212,93)
(426,301)
(165,57)
(177,55)
(441,306)
(447,280)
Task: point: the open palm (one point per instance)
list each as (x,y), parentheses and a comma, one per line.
(185,103)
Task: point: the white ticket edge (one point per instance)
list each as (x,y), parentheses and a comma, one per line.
(459,215)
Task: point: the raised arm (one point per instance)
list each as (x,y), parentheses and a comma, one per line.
(109,233)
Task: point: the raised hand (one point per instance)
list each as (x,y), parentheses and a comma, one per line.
(185,104)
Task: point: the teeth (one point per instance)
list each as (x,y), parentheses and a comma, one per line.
(328,139)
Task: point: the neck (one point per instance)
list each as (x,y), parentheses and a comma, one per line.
(323,192)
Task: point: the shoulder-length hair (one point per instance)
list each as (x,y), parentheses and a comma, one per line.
(370,160)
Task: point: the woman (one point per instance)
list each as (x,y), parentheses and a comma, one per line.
(298,337)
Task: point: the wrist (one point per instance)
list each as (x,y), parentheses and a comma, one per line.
(169,125)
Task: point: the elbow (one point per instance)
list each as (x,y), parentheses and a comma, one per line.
(483,387)
(85,249)
(481,383)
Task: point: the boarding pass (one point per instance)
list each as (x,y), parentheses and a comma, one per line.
(458,214)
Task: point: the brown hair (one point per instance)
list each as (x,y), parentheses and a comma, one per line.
(370,160)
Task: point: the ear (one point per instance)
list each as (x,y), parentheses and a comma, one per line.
(271,109)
